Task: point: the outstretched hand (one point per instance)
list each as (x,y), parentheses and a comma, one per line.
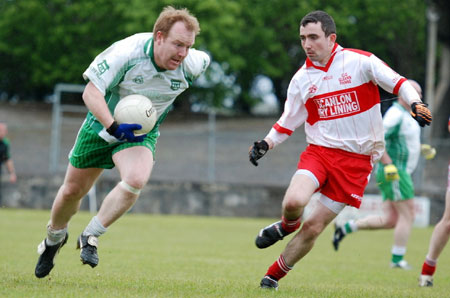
(258,150)
(421,113)
(427,151)
(125,132)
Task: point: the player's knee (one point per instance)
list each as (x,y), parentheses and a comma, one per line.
(292,206)
(72,192)
(390,222)
(132,188)
(293,203)
(136,180)
(446,225)
(412,212)
(311,230)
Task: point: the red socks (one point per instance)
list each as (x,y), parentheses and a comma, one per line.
(278,269)
(428,269)
(290,225)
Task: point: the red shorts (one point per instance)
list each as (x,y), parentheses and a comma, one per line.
(342,175)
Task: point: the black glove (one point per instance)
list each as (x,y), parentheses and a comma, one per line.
(257,151)
(125,132)
(421,113)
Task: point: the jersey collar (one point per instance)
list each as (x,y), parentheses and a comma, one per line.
(148,48)
(325,68)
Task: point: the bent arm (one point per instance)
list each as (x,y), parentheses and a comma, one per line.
(408,92)
(294,115)
(95,102)
(385,159)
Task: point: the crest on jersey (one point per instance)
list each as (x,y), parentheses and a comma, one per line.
(312,88)
(345,79)
(175,84)
(103,67)
(138,79)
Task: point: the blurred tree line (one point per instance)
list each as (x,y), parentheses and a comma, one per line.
(44,42)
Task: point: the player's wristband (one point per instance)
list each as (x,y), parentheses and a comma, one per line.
(112,129)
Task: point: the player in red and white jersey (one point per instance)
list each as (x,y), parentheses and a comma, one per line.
(339,102)
(335,94)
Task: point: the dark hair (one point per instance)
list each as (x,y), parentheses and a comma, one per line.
(328,25)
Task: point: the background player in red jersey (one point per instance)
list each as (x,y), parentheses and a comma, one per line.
(335,95)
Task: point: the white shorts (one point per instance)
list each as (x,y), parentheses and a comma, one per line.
(334,206)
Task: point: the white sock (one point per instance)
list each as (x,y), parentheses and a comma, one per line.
(398,250)
(94,227)
(353,225)
(350,227)
(55,236)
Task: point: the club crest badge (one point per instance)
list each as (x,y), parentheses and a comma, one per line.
(102,67)
(175,84)
(312,89)
(138,80)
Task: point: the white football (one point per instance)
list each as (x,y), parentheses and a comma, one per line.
(136,108)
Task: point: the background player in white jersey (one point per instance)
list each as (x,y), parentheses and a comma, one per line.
(438,240)
(335,95)
(393,176)
(159,65)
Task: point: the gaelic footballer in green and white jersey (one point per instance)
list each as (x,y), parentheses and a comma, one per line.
(402,136)
(128,67)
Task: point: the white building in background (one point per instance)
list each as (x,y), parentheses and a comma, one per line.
(263,88)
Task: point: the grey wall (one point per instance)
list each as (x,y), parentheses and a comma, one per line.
(159,197)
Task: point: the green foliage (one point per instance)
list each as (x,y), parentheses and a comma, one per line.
(46,42)
(191,256)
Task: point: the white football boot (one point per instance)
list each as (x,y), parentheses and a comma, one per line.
(425,281)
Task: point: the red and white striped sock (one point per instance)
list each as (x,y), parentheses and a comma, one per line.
(278,269)
(428,267)
(290,225)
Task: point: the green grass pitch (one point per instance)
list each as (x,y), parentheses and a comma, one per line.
(189,256)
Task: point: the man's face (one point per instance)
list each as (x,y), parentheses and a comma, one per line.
(316,46)
(171,50)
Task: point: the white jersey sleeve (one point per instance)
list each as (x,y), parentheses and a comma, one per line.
(195,64)
(384,76)
(408,92)
(110,65)
(294,115)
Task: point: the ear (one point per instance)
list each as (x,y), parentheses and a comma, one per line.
(333,37)
(159,36)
